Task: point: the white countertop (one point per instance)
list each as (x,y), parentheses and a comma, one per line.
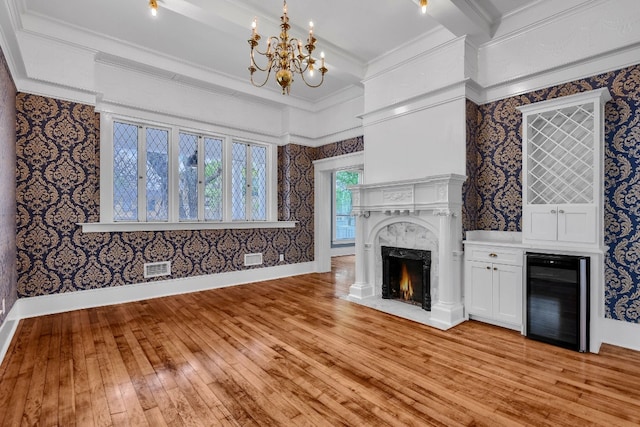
(494,237)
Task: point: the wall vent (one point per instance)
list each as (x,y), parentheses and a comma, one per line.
(156,269)
(253,259)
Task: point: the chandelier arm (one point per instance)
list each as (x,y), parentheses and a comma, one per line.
(255,64)
(270,41)
(266,79)
(310,85)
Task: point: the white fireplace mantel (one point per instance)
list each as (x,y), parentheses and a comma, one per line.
(434,193)
(432,205)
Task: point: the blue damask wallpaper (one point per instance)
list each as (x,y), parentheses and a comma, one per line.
(58,187)
(8,272)
(498,167)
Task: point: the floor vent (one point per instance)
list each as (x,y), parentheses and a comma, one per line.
(156,269)
(253,259)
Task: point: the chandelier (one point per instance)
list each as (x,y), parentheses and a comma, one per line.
(285,56)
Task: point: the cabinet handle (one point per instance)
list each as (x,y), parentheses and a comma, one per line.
(561,211)
(495,268)
(492,255)
(553,211)
(488,268)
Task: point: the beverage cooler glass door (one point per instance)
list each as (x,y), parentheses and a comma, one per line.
(557,300)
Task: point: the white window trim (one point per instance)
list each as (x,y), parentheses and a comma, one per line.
(107,224)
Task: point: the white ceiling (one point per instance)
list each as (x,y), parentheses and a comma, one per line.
(211,35)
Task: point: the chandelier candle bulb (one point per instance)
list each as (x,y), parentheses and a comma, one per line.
(423,6)
(153,5)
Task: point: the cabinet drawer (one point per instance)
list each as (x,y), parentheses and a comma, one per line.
(496,255)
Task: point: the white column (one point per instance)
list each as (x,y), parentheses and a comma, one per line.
(448,310)
(361,289)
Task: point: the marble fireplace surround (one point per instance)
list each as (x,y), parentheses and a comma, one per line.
(417,214)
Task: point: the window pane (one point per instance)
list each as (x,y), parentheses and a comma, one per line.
(258,183)
(125,172)
(188,176)
(213,179)
(238,181)
(157,175)
(344,222)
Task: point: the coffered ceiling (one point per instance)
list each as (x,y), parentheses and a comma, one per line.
(204,42)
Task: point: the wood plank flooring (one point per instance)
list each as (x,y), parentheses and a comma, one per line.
(290,352)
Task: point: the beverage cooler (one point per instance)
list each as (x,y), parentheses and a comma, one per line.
(557,300)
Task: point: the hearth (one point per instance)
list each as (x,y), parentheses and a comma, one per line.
(406,275)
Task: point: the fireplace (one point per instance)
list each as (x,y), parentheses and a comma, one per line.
(406,275)
(423,215)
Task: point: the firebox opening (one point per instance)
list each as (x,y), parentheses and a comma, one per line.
(406,276)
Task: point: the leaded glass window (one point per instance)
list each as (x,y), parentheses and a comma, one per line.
(125,172)
(213,174)
(195,177)
(188,177)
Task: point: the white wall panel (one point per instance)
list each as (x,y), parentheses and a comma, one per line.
(422,74)
(53,62)
(426,142)
(163,96)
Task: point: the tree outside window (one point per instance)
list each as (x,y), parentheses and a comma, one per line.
(344,224)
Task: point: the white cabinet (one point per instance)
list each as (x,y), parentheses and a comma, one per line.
(564,223)
(493,284)
(562,170)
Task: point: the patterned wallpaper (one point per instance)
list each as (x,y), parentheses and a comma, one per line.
(499,166)
(340,148)
(58,178)
(8,272)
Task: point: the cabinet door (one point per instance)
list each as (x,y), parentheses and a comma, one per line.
(479,289)
(540,222)
(577,223)
(507,293)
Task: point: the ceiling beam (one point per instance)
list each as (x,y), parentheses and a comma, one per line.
(462,17)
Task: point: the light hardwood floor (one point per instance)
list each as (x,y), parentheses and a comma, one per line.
(290,352)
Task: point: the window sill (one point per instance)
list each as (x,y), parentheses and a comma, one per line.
(106,227)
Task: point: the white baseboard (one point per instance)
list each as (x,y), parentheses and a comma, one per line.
(7,329)
(58,303)
(343,251)
(621,334)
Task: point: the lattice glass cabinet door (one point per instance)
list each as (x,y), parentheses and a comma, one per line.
(561,153)
(563,146)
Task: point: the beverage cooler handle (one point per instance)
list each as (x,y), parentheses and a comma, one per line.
(584,301)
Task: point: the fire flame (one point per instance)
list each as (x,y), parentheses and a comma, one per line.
(406,288)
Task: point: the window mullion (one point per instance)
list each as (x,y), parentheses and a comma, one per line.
(142,174)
